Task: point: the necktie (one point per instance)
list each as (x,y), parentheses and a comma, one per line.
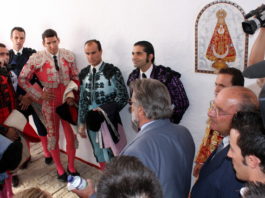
(220,147)
(94,71)
(56,63)
(18,54)
(143,75)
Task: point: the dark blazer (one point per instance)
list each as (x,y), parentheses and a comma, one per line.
(168,150)
(217,178)
(17,63)
(171,79)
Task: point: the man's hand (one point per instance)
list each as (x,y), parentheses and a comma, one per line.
(70,101)
(196,169)
(47,95)
(82,131)
(88,191)
(12,134)
(25,101)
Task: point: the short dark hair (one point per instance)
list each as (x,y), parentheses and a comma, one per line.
(251,139)
(148,48)
(237,76)
(94,41)
(254,190)
(2,45)
(49,33)
(20,29)
(126,176)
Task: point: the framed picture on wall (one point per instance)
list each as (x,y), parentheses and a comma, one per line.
(220,41)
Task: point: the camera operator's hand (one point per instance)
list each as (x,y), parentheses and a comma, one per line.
(25,102)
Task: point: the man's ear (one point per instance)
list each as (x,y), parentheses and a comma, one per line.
(252,161)
(150,57)
(141,111)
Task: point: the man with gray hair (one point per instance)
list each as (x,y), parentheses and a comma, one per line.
(165,148)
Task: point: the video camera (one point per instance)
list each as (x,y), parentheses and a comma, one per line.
(257,20)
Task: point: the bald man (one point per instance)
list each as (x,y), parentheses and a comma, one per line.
(217,177)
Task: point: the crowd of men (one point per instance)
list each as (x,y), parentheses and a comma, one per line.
(39,83)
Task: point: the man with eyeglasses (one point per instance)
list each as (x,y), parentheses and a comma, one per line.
(165,148)
(217,177)
(226,77)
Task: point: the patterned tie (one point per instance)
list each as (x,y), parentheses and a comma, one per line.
(56,63)
(143,75)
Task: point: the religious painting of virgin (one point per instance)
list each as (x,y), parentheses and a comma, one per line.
(220,41)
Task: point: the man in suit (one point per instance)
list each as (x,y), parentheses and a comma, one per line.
(217,177)
(18,57)
(226,77)
(143,57)
(165,148)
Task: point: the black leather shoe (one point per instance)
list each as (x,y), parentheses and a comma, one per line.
(63,177)
(73,173)
(26,163)
(15,181)
(48,160)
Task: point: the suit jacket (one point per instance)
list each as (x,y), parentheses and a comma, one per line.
(168,150)
(171,79)
(217,178)
(17,63)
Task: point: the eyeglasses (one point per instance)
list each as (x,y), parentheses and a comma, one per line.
(130,102)
(217,111)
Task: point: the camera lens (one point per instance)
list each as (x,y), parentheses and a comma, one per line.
(249,27)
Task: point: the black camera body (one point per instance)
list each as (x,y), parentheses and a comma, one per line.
(257,20)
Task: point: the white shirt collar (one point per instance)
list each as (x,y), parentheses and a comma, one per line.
(96,67)
(148,72)
(146,124)
(57,54)
(226,141)
(19,51)
(243,190)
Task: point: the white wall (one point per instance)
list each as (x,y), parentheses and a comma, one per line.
(167,24)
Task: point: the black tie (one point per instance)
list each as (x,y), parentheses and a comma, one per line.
(94,71)
(56,63)
(18,54)
(143,75)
